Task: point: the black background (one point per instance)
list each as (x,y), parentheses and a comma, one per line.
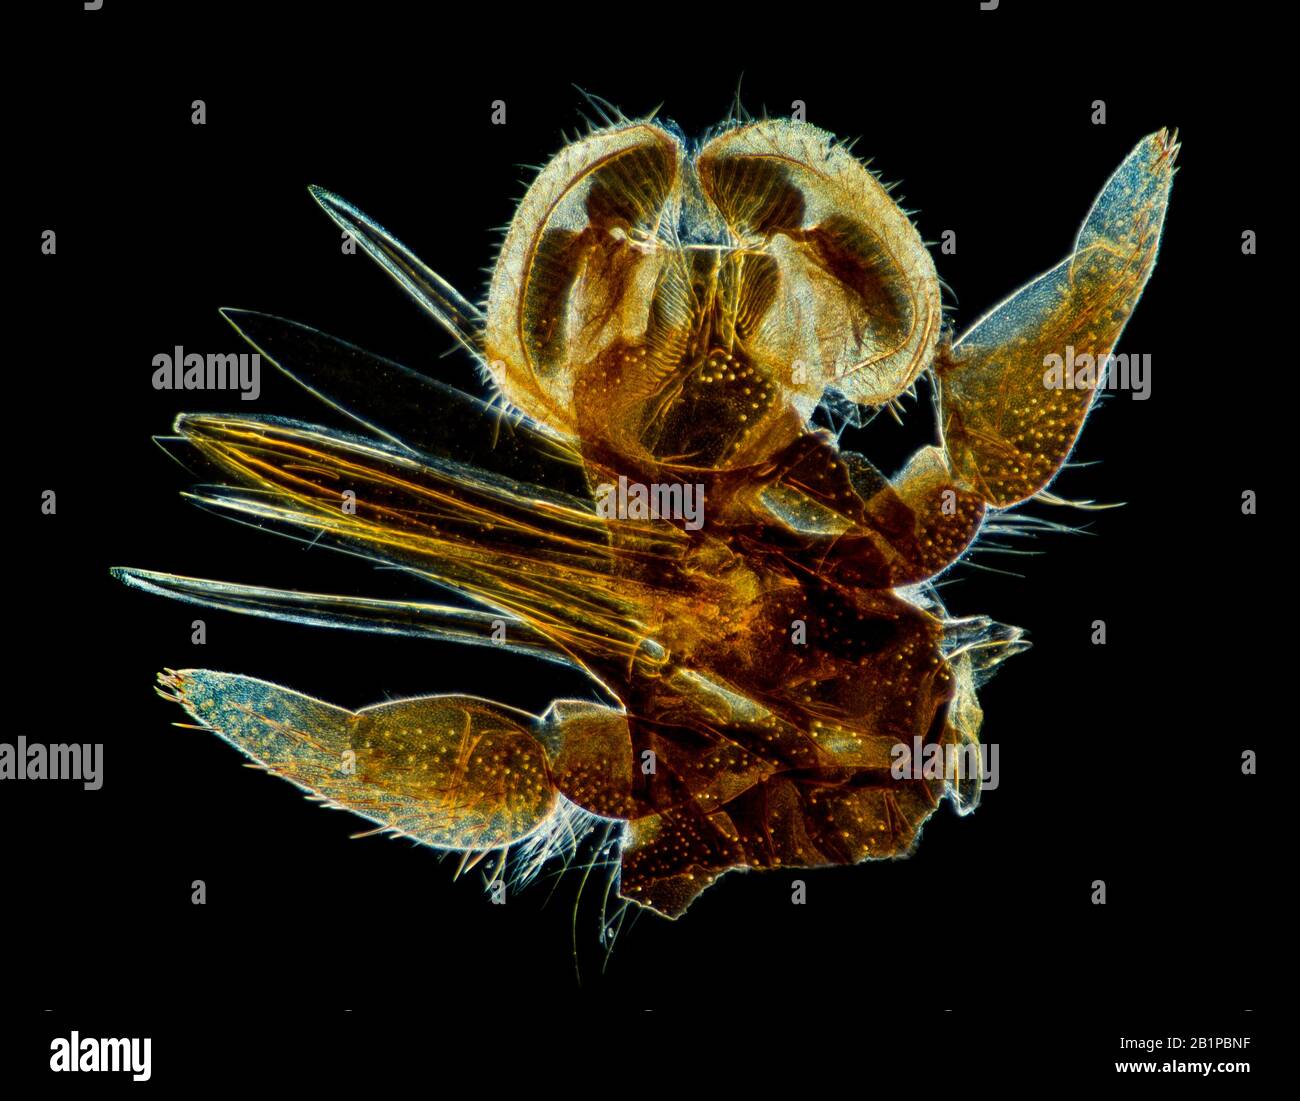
(1119,762)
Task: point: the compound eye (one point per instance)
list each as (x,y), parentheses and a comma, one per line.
(579,265)
(857,304)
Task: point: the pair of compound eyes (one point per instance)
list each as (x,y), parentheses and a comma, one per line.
(691,310)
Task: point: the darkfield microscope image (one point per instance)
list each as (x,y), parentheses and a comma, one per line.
(650,488)
(583,530)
